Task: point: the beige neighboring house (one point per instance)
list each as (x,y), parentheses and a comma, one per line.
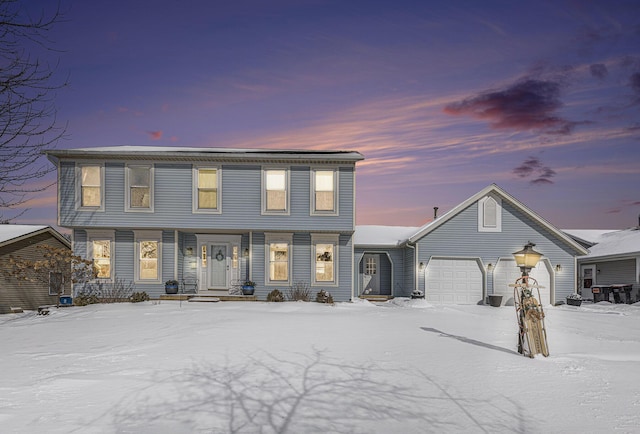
(21,241)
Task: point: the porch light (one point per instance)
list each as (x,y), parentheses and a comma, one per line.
(490,266)
(421,266)
(245,252)
(527,258)
(558,268)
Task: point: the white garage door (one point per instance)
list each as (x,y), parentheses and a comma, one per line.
(506,273)
(453,281)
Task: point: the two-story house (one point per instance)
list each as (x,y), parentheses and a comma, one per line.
(211,215)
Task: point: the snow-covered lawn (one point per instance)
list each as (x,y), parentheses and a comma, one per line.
(401,367)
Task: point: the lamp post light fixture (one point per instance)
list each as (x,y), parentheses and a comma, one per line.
(527,258)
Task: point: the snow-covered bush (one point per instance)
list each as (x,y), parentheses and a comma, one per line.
(138,297)
(574,297)
(324,297)
(275,296)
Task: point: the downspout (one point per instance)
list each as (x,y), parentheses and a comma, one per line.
(415,263)
(175,254)
(250,258)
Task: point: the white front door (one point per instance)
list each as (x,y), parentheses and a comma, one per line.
(371,274)
(588,279)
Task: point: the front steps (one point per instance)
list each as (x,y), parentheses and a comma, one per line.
(376,298)
(208,297)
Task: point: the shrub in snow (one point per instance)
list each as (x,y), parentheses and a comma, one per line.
(275,296)
(299,292)
(324,297)
(574,297)
(137,297)
(84,299)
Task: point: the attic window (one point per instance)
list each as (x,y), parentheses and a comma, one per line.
(490,214)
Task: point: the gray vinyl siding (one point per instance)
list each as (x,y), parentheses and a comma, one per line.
(21,294)
(618,272)
(459,237)
(392,270)
(240,193)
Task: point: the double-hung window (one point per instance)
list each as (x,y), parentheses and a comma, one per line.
(206,192)
(139,191)
(278,258)
(324,192)
(90,187)
(100,246)
(56,283)
(148,256)
(324,263)
(275,195)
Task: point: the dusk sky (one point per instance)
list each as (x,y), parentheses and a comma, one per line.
(441,97)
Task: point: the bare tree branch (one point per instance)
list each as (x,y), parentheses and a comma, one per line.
(28,122)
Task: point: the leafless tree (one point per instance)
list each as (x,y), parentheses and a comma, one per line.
(28,86)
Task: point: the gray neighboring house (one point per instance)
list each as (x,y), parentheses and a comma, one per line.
(213,216)
(21,241)
(613,260)
(465,255)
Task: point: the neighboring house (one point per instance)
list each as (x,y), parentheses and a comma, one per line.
(21,241)
(466,254)
(212,215)
(613,259)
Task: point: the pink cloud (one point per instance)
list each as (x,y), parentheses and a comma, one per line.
(155,135)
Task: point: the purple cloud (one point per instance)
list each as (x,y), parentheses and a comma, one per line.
(599,70)
(533,167)
(527,105)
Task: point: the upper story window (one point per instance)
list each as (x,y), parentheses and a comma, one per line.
(490,214)
(90,186)
(100,250)
(324,196)
(275,195)
(206,192)
(139,191)
(148,246)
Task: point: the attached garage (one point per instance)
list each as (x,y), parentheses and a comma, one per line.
(453,281)
(506,273)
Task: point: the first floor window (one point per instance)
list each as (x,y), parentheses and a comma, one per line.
(148,255)
(324,250)
(279,262)
(102,258)
(148,260)
(56,283)
(278,258)
(324,262)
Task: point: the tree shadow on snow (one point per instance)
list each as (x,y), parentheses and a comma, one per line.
(311,392)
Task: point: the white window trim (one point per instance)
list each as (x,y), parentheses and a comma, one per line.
(287,172)
(147,236)
(194,183)
(277,238)
(62,289)
(127,188)
(102,235)
(498,226)
(325,239)
(78,199)
(313,210)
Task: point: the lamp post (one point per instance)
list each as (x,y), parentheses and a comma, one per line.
(532,335)
(527,259)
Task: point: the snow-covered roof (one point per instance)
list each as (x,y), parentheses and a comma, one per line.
(382,236)
(11,233)
(618,243)
(132,152)
(591,236)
